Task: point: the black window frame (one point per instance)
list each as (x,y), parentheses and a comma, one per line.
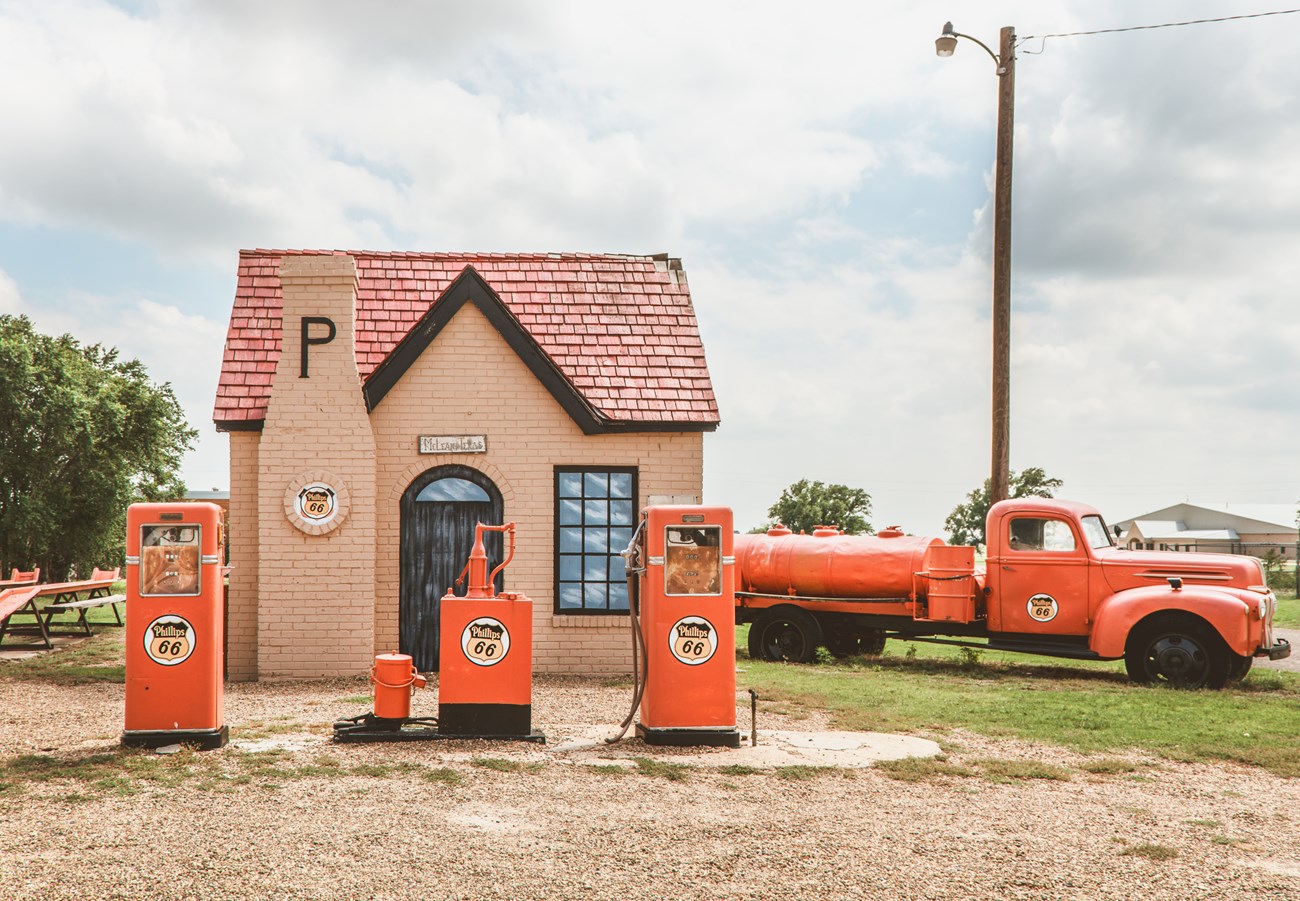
(612,552)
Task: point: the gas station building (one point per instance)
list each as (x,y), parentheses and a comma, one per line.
(380,404)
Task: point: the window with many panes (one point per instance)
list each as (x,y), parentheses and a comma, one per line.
(595,513)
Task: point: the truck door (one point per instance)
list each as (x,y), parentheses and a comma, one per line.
(1040,580)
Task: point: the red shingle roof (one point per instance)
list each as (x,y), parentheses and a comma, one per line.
(620,329)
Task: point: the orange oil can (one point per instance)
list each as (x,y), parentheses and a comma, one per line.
(395,679)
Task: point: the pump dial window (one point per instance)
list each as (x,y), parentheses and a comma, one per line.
(169,560)
(693,560)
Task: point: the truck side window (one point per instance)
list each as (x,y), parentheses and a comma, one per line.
(1032,534)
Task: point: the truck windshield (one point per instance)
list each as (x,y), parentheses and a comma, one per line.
(1094,529)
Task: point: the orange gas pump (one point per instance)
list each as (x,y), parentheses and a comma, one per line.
(485,688)
(684,613)
(174,626)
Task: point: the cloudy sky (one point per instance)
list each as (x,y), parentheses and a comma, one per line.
(823,175)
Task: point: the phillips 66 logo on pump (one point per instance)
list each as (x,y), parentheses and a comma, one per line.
(687,619)
(174,625)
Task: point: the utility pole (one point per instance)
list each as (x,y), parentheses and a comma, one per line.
(1001,465)
(1005,60)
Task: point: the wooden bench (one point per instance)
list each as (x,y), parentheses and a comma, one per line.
(82,606)
(21,601)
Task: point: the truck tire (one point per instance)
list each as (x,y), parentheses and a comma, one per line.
(785,634)
(1179,650)
(868,642)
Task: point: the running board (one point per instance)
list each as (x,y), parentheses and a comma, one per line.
(1018,647)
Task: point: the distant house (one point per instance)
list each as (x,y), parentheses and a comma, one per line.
(215,496)
(1257,530)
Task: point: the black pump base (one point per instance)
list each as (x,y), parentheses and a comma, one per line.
(203,739)
(368,727)
(689,738)
(491,722)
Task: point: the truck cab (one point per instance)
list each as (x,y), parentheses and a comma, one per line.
(1054,577)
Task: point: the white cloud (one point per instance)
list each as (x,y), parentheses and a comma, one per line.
(10,298)
(819,169)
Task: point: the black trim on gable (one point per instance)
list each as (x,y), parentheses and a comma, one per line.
(239,425)
(471,287)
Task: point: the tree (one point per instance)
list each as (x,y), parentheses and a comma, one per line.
(965,524)
(805,505)
(82,436)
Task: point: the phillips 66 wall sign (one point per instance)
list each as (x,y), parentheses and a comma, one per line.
(316,502)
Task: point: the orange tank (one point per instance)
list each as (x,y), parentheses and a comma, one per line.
(828,564)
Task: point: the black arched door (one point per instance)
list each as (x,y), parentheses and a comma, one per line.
(439,512)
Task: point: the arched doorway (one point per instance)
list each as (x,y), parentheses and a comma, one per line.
(439,512)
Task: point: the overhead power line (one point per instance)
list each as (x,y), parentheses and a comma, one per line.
(1071,34)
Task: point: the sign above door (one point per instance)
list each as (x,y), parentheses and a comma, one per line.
(453,444)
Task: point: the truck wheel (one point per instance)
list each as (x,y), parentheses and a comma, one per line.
(1179,650)
(786,633)
(872,642)
(1240,667)
(869,643)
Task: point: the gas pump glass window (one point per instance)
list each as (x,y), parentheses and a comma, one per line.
(1032,534)
(693,560)
(169,560)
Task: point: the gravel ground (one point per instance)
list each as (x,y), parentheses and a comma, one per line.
(1291,663)
(282,813)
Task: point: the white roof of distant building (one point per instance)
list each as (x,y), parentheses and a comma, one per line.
(1239,517)
(1154,528)
(1171,530)
(1274,514)
(1207,534)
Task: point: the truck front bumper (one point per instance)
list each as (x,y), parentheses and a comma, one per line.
(1278,651)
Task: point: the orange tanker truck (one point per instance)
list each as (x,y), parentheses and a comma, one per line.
(1053,583)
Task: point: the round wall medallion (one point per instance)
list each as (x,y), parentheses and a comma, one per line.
(316,502)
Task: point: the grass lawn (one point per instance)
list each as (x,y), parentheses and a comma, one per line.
(1288,612)
(98,659)
(1088,706)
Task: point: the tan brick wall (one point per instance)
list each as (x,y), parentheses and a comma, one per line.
(241,633)
(316,592)
(469,381)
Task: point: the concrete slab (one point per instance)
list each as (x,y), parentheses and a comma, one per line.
(853,750)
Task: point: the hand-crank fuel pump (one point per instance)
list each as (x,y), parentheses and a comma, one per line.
(682,590)
(485,687)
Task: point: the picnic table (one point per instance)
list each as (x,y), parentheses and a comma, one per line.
(22,601)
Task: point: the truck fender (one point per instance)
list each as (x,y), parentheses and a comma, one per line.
(1116,616)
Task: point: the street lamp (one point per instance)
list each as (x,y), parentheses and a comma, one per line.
(1005,60)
